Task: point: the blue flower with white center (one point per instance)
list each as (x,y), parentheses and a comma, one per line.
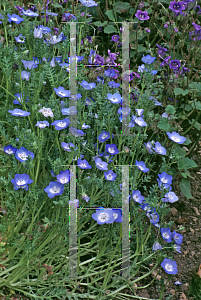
(177,248)
(156,246)
(14,18)
(113,84)
(175,137)
(137,196)
(165,115)
(23,153)
(54,39)
(117,214)
(61,124)
(44,29)
(83,164)
(104,136)
(88,3)
(20,38)
(177,237)
(148,59)
(146,207)
(87,86)
(88,101)
(166,234)
(100,79)
(103,216)
(170,197)
(75,57)
(19,112)
(110,175)
(54,189)
(114,98)
(67,146)
(85,197)
(112,149)
(159,149)
(75,97)
(76,132)
(149,147)
(101,165)
(61,92)
(177,283)
(69,111)
(165,180)
(21,181)
(10,149)
(25,75)
(29,64)
(169,266)
(140,112)
(110,73)
(156,102)
(154,218)
(29,13)
(65,66)
(140,122)
(38,33)
(85,126)
(64,177)
(20,99)
(141,166)
(42,124)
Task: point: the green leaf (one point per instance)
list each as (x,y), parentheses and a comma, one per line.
(179,151)
(110,15)
(184,175)
(57,5)
(196,125)
(185,187)
(197,105)
(187,141)
(141,48)
(170,109)
(186,163)
(110,29)
(121,5)
(163,124)
(195,86)
(179,91)
(98,23)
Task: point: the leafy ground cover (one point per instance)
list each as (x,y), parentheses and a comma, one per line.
(53,117)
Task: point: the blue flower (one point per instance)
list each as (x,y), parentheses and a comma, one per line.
(170,197)
(54,39)
(44,29)
(38,33)
(140,121)
(83,164)
(85,197)
(149,147)
(100,79)
(154,218)
(140,112)
(103,216)
(137,196)
(75,202)
(177,247)
(85,126)
(101,165)
(75,57)
(177,237)
(61,92)
(29,64)
(110,73)
(166,234)
(25,75)
(29,13)
(169,266)
(20,99)
(148,59)
(21,181)
(146,207)
(64,177)
(67,146)
(113,84)
(165,180)
(175,137)
(19,38)
(87,86)
(112,149)
(124,111)
(19,112)
(76,132)
(141,166)
(75,97)
(117,214)
(114,98)
(23,153)
(52,173)
(69,111)
(156,246)
(110,175)
(104,136)
(54,189)
(10,149)
(178,283)
(159,149)
(14,18)
(42,124)
(88,3)
(61,124)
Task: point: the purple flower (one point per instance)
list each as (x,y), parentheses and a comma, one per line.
(103,216)
(169,266)
(61,92)
(54,189)
(64,177)
(110,175)
(175,137)
(25,75)
(166,234)
(142,15)
(61,124)
(42,124)
(174,64)
(23,153)
(21,181)
(115,38)
(14,18)
(10,149)
(165,61)
(141,166)
(159,149)
(177,6)
(137,196)
(46,29)
(83,164)
(177,237)
(161,50)
(87,86)
(19,112)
